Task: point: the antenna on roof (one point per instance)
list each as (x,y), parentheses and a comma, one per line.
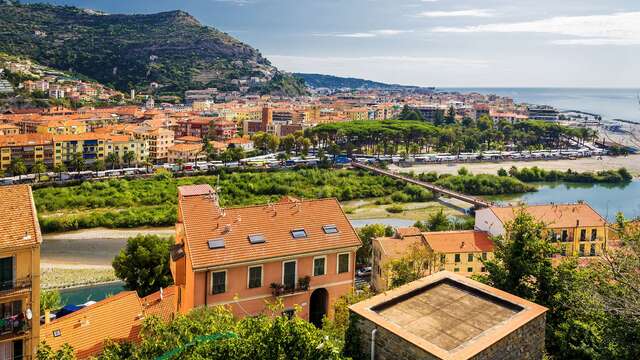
(227,228)
(223,213)
(26,236)
(238,219)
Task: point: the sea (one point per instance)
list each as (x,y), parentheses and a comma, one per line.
(609,103)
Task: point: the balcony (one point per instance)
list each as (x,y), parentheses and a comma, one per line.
(282,290)
(10,287)
(15,325)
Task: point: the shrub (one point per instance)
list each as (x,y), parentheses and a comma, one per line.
(395,209)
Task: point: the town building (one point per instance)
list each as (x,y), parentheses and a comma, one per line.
(448,316)
(577,229)
(543,112)
(30,148)
(458,251)
(159,141)
(302,251)
(20,240)
(9,129)
(186,153)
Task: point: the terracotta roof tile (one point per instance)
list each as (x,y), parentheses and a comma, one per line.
(555,216)
(459,241)
(204,221)
(165,306)
(19,221)
(117,318)
(395,248)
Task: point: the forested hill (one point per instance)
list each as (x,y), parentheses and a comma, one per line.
(337,82)
(171,49)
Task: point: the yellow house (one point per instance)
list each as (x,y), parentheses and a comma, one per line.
(31,148)
(456,251)
(20,241)
(576,229)
(122,144)
(459,251)
(90,146)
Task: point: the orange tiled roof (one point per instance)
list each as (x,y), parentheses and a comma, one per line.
(555,216)
(82,136)
(117,318)
(395,248)
(19,221)
(185,147)
(165,306)
(459,241)
(25,139)
(203,220)
(408,231)
(189,139)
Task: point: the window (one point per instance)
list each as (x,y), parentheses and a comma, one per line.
(483,269)
(218,282)
(484,256)
(443,258)
(6,273)
(298,233)
(583,234)
(255,277)
(216,244)
(469,257)
(330,229)
(592,251)
(289,274)
(457,258)
(343,263)
(565,235)
(257,239)
(319,265)
(456,270)
(594,234)
(469,269)
(581,249)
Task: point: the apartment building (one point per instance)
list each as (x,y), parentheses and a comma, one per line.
(302,252)
(9,129)
(31,148)
(577,229)
(159,141)
(61,127)
(20,241)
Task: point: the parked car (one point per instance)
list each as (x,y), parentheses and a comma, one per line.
(365,271)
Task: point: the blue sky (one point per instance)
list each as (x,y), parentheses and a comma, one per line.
(489,43)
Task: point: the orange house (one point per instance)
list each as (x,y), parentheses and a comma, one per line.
(300,251)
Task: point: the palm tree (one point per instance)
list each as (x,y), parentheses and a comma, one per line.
(113,159)
(18,168)
(59,168)
(128,157)
(77,162)
(38,168)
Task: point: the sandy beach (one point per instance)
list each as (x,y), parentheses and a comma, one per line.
(631,162)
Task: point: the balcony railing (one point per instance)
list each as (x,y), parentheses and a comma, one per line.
(281,289)
(14,285)
(14,325)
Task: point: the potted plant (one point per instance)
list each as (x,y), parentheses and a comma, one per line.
(277,289)
(303,283)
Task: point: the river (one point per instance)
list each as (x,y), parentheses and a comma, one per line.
(606,199)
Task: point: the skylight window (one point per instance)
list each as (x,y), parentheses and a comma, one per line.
(298,233)
(216,244)
(330,229)
(257,239)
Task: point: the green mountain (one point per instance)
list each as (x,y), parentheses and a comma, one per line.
(168,52)
(336,82)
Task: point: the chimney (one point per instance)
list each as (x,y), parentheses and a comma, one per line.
(577,222)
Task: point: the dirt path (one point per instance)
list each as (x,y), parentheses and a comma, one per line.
(631,162)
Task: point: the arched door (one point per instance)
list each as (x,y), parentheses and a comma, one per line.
(318,306)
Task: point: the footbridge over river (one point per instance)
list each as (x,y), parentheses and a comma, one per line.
(476,202)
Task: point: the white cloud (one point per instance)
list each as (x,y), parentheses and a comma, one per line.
(367,34)
(236,2)
(613,29)
(388,60)
(458,13)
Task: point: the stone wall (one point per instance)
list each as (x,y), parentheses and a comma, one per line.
(527,342)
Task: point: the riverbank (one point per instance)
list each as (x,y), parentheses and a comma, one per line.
(630,162)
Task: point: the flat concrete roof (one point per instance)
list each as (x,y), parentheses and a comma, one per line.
(447,315)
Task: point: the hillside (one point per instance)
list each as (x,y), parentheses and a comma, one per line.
(336,82)
(168,52)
